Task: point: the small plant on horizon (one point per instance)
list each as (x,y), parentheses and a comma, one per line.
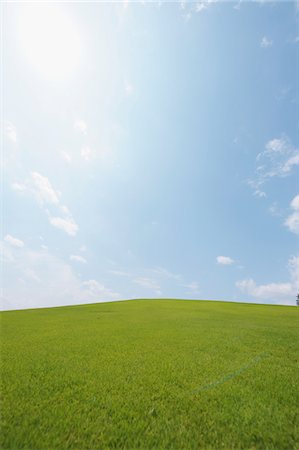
(297,301)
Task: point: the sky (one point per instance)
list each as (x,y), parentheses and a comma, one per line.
(149,150)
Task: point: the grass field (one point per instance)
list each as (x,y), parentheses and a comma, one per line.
(150,374)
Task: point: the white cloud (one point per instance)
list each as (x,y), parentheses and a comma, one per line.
(10,131)
(278,160)
(295,203)
(119,273)
(288,165)
(65,210)
(200,6)
(277,145)
(18,187)
(40,279)
(66,224)
(87,153)
(97,291)
(292,222)
(15,242)
(80,126)
(193,287)
(7,254)
(259,193)
(237,6)
(78,258)
(156,279)
(148,283)
(164,273)
(224,260)
(274,210)
(266,291)
(66,157)
(31,275)
(277,292)
(43,189)
(189,8)
(265,42)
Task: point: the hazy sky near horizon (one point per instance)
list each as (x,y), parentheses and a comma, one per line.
(150,150)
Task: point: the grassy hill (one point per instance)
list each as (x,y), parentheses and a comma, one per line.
(150,374)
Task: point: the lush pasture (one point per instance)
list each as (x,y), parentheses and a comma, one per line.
(150,374)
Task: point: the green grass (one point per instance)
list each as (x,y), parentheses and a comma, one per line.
(150,374)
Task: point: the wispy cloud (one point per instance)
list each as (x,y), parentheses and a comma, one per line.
(200,6)
(290,163)
(281,155)
(119,273)
(237,6)
(93,290)
(192,287)
(41,189)
(87,153)
(157,272)
(78,258)
(148,283)
(266,42)
(39,279)
(274,210)
(265,291)
(66,157)
(65,224)
(165,273)
(80,126)
(278,160)
(224,260)
(10,131)
(277,292)
(156,279)
(190,8)
(15,242)
(182,4)
(292,221)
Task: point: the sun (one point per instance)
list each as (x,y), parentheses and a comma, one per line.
(49,40)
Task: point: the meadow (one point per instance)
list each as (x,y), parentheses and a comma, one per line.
(150,374)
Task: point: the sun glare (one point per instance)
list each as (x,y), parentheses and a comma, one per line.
(49,40)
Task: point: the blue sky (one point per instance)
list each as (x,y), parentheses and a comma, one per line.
(150,150)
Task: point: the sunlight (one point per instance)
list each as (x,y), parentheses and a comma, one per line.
(49,40)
